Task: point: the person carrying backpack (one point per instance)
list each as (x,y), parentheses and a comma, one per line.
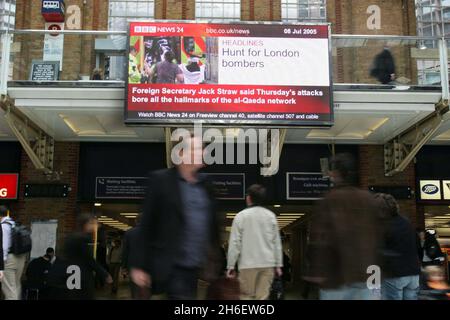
(16,245)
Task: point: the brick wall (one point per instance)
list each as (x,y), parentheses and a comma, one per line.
(352,65)
(175,9)
(261,10)
(371,173)
(63,209)
(79,55)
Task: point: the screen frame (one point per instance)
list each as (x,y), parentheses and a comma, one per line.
(280,124)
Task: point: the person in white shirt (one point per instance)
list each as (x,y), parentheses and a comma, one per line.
(14,264)
(255,245)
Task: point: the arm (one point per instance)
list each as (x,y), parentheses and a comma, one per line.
(91,262)
(234,247)
(277,245)
(140,262)
(318,244)
(2,257)
(142,241)
(6,239)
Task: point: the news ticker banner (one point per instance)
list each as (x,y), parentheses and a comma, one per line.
(269,74)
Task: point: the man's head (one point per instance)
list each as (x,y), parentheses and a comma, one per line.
(86,223)
(4,211)
(190,156)
(133,51)
(256,195)
(49,253)
(421,233)
(343,169)
(388,205)
(169,56)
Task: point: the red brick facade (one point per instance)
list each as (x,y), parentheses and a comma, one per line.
(26,210)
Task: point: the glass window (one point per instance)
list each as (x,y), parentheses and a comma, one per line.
(7,14)
(121,12)
(218,10)
(304,10)
(433,19)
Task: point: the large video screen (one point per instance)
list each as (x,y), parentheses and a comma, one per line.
(229,74)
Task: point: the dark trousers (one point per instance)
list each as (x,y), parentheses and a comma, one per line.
(183,284)
(115,270)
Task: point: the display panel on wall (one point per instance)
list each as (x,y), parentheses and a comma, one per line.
(9,186)
(306,185)
(241,74)
(46,190)
(227,186)
(398,192)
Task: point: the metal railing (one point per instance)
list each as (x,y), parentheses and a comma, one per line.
(351,55)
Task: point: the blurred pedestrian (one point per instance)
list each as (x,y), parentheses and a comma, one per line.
(129,253)
(436,288)
(343,241)
(430,252)
(78,252)
(37,272)
(179,236)
(15,250)
(97,74)
(255,245)
(401,267)
(114,262)
(383,68)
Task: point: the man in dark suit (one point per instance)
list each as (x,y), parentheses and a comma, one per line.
(178,236)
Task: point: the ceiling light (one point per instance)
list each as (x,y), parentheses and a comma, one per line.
(97,204)
(129,214)
(277,205)
(131,217)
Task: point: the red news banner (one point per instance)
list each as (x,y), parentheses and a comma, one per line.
(253,74)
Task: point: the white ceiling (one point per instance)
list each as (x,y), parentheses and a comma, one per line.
(96,114)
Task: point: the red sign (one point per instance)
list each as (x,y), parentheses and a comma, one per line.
(240,74)
(9,186)
(54,27)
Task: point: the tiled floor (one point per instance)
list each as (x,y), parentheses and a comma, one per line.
(123,293)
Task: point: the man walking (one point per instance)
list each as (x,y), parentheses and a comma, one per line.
(178,229)
(255,245)
(401,266)
(344,239)
(14,263)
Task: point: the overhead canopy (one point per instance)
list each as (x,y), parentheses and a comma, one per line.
(93,111)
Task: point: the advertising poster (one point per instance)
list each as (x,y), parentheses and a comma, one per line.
(268,74)
(306,185)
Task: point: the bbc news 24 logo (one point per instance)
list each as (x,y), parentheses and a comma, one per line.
(145,29)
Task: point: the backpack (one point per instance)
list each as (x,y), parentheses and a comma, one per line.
(20,239)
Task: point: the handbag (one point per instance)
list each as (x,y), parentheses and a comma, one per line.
(224,289)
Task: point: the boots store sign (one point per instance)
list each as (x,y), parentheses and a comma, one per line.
(9,186)
(434,189)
